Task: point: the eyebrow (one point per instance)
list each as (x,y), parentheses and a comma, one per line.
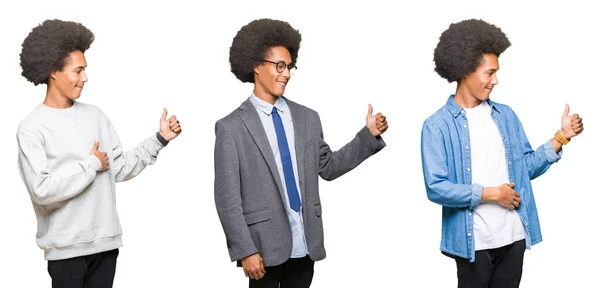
(277,61)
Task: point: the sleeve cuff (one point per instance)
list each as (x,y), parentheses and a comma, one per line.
(373,143)
(94,163)
(551,156)
(161,139)
(476,196)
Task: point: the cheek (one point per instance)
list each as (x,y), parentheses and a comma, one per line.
(75,80)
(272,81)
(483,82)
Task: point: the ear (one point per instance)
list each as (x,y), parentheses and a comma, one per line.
(53,74)
(256,70)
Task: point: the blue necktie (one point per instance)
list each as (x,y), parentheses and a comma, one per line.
(286,162)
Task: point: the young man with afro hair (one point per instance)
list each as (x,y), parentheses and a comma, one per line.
(478,163)
(269,154)
(70,157)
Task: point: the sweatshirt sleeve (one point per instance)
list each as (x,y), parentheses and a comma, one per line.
(128,164)
(48,185)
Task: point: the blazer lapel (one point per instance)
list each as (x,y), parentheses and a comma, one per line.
(299,119)
(257,132)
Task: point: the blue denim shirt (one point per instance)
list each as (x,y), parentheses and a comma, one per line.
(446,162)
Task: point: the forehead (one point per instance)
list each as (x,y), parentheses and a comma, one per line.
(279,53)
(76,59)
(489,61)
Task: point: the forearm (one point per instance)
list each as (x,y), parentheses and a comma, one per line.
(129,164)
(49,187)
(540,160)
(454,195)
(335,164)
(490,194)
(557,146)
(237,234)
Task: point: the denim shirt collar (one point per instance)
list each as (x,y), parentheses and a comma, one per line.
(455,109)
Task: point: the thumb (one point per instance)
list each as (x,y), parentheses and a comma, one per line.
(370,113)
(511,185)
(96,143)
(566,110)
(164,115)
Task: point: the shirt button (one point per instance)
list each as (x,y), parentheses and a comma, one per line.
(469,234)
(468,169)
(465,126)
(467,148)
(469,214)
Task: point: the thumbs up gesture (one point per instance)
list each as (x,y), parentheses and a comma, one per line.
(169,129)
(571,125)
(376,123)
(102,156)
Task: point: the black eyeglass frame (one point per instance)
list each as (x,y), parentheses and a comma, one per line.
(281,66)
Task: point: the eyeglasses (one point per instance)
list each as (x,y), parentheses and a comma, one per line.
(280,66)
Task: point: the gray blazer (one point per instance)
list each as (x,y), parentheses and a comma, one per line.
(248,190)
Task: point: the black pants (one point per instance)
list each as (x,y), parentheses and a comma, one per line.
(493,268)
(294,273)
(90,271)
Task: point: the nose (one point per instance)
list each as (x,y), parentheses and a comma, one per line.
(495,79)
(286,73)
(83,76)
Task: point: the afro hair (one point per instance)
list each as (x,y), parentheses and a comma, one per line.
(462,46)
(47,47)
(252,43)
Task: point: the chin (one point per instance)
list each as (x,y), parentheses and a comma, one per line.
(484,97)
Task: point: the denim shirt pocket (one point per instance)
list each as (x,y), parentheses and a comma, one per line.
(515,153)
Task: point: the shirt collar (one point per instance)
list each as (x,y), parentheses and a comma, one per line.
(456,109)
(267,107)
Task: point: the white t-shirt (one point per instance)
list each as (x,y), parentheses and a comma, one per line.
(494,226)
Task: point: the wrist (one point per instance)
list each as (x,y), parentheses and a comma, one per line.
(161,138)
(489,194)
(561,137)
(374,131)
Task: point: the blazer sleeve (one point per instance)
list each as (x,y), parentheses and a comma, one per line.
(333,164)
(228,197)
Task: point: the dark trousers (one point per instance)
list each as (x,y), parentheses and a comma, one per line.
(493,268)
(294,273)
(89,271)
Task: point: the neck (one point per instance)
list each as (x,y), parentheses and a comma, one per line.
(55,100)
(263,95)
(464,98)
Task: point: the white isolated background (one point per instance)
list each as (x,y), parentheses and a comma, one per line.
(380,228)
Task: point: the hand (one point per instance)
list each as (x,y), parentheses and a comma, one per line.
(253,266)
(376,124)
(102,156)
(169,129)
(571,126)
(507,197)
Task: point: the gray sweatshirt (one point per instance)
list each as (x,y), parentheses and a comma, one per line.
(75,204)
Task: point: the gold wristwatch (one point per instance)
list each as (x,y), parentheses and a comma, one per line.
(560,138)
